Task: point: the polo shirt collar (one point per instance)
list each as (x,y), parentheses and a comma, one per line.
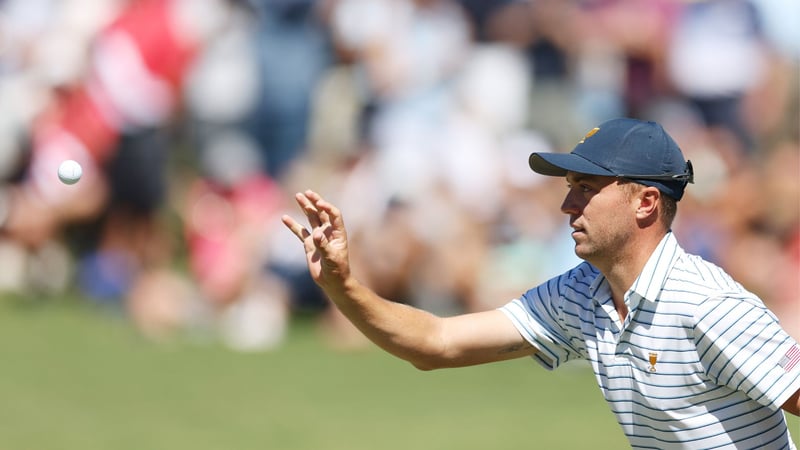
(652,278)
(654,274)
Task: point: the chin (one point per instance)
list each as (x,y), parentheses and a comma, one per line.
(583,253)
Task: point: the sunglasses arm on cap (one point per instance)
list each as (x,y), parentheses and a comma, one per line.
(687,176)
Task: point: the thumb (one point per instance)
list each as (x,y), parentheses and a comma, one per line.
(320,238)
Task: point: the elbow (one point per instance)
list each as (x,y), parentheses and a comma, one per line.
(431,353)
(423,367)
(426,364)
(431,361)
(435,361)
(436,364)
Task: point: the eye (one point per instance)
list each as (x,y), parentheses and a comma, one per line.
(581,187)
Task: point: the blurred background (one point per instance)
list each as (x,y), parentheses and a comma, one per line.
(195,122)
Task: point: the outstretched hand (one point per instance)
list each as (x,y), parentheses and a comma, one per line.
(326,242)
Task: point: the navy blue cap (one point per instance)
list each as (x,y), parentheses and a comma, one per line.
(625,148)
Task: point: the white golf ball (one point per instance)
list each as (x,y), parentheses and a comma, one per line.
(69,172)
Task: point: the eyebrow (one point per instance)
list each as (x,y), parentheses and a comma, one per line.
(578,177)
(596,180)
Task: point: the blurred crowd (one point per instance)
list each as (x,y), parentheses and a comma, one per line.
(195,122)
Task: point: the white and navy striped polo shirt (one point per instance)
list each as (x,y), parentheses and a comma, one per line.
(698,363)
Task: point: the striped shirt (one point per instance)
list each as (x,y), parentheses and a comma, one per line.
(699,362)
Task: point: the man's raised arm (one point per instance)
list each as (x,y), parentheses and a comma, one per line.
(424,339)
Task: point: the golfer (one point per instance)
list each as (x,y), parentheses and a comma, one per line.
(684,355)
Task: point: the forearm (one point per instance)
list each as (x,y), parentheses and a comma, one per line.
(423,339)
(402,330)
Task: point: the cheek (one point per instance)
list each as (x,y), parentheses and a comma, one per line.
(625,219)
(615,217)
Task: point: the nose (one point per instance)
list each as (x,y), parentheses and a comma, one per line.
(570,204)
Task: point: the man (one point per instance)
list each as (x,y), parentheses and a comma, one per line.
(684,355)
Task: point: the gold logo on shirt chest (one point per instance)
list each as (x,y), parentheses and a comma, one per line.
(653,357)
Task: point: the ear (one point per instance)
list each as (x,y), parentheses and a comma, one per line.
(649,198)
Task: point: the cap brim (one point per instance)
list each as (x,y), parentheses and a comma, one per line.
(558,164)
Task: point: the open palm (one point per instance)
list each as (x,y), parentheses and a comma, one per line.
(326,242)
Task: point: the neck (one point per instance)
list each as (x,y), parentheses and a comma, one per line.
(624,267)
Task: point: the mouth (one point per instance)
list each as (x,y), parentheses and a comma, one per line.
(577,229)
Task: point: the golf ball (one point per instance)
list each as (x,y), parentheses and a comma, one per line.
(69,172)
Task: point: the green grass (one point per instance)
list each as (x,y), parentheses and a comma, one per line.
(74,378)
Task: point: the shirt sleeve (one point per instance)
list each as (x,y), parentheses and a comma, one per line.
(539,317)
(742,346)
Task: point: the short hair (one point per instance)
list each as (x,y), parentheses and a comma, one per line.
(669,210)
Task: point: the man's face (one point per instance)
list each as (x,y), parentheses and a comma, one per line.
(602,215)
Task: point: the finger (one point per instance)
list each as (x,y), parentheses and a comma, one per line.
(328,210)
(296,228)
(320,205)
(320,240)
(308,208)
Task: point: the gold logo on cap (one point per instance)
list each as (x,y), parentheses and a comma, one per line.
(589,134)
